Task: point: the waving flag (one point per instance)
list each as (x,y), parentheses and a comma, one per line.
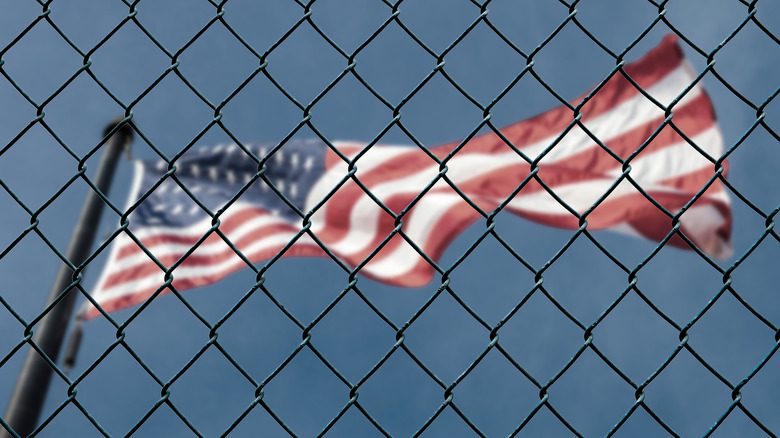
(168,228)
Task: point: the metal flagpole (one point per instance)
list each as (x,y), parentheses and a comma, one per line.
(28,397)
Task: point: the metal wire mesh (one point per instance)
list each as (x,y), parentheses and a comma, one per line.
(535,279)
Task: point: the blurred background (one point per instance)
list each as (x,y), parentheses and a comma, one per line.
(68,68)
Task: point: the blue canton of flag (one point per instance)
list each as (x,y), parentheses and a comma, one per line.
(169,223)
(215,175)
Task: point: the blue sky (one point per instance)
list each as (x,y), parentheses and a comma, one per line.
(306,395)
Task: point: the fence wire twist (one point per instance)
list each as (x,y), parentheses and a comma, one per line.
(394,17)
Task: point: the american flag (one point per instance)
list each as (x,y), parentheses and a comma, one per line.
(671,169)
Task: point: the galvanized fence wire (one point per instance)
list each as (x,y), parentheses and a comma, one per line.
(482,17)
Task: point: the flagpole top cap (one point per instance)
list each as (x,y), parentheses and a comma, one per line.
(126,130)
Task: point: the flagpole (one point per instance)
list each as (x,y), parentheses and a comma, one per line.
(26,402)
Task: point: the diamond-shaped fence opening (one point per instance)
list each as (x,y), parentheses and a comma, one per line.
(507,398)
(349,34)
(495,303)
(128,63)
(41,274)
(526,342)
(609,396)
(294,73)
(259,315)
(584,56)
(217,52)
(603,268)
(691,412)
(723,333)
(20,17)
(623,32)
(436,30)
(148,338)
(156,20)
(351,352)
(758,385)
(367,114)
(653,339)
(183,111)
(70,20)
(526,26)
(302,297)
(29,189)
(497,72)
(254,107)
(310,412)
(39,70)
(735,53)
(446,352)
(400,395)
(756,267)
(697,279)
(211,372)
(394,50)
(678,16)
(595,270)
(263,28)
(764,200)
(134,383)
(440,104)
(62,114)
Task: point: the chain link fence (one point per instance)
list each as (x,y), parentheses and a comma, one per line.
(525,331)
